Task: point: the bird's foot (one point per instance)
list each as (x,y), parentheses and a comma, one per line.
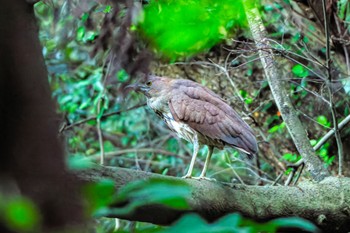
(203,178)
(187,176)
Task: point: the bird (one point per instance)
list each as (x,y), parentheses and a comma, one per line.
(198,115)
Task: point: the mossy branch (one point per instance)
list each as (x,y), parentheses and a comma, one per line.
(327,204)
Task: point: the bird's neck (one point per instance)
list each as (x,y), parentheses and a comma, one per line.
(158,104)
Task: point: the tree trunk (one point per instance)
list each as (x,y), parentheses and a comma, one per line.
(32,159)
(280,95)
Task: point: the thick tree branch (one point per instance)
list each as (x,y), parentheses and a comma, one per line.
(273,75)
(327,203)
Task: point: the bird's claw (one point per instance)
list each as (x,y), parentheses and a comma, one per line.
(198,178)
(187,176)
(204,178)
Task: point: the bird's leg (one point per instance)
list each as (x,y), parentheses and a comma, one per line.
(207,161)
(194,156)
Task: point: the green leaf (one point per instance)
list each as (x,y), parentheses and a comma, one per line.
(323,121)
(248,100)
(330,160)
(313,142)
(79,163)
(292,158)
(295,222)
(342,6)
(300,71)
(99,195)
(184,28)
(243,93)
(85,17)
(192,223)
(274,129)
(107,9)
(323,152)
(171,193)
(122,76)
(21,214)
(80,33)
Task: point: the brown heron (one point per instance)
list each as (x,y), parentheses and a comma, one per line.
(199,116)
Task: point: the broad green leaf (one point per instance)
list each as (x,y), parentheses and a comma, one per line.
(186,27)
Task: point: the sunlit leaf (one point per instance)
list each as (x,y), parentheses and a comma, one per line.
(107,9)
(323,120)
(183,28)
(274,129)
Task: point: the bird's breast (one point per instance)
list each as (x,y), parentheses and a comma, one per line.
(163,111)
(180,128)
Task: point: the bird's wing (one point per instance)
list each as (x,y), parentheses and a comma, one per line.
(206,113)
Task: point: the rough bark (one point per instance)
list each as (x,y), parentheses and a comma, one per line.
(327,203)
(274,77)
(32,158)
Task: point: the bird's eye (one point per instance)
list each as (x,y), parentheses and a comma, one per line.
(149,83)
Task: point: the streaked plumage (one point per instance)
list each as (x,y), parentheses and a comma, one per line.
(198,115)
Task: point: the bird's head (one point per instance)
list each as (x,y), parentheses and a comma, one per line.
(154,86)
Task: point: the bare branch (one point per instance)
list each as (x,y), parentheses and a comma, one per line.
(330,91)
(331,133)
(70,126)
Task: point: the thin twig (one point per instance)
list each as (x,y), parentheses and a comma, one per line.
(70,126)
(299,174)
(99,133)
(346,54)
(329,83)
(330,133)
(109,155)
(100,103)
(290,177)
(300,164)
(277,179)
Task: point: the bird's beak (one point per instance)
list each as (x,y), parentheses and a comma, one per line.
(138,87)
